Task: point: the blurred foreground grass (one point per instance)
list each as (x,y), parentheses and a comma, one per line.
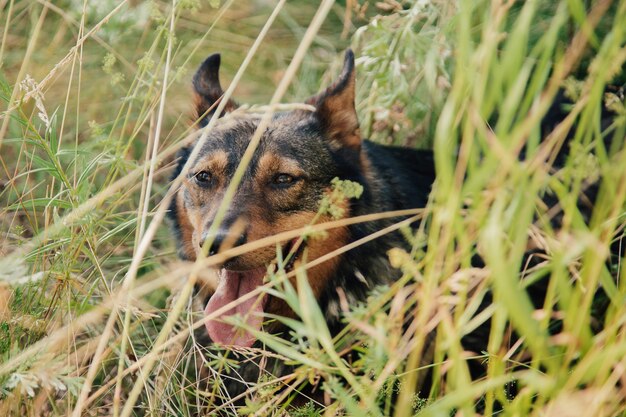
(82,85)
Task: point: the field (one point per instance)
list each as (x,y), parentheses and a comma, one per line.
(97,315)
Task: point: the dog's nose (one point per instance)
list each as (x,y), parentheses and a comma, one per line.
(223,240)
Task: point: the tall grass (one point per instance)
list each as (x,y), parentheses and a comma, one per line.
(96,316)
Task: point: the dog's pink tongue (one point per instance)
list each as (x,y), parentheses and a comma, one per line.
(233,285)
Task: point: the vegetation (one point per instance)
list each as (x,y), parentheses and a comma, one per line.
(95,312)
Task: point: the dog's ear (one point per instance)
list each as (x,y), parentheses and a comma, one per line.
(335,108)
(208,91)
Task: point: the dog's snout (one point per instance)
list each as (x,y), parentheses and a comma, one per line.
(222,240)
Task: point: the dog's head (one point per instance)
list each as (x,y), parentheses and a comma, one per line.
(291,170)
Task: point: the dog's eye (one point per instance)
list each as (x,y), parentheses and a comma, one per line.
(283,179)
(203,177)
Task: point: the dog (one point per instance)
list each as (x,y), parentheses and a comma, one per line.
(299,155)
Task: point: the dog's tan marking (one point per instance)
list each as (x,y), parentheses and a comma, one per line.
(271,164)
(216,163)
(200,202)
(186,229)
(316,247)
